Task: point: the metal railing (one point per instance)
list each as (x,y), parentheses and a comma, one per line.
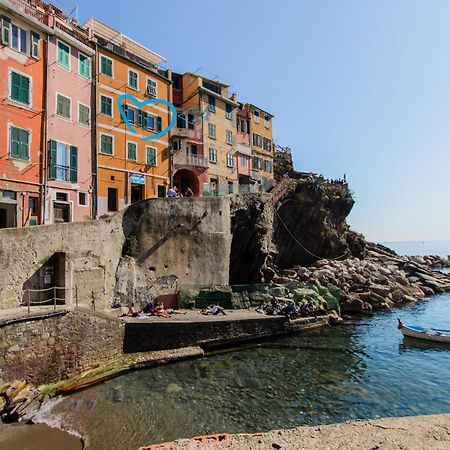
(62,173)
(53,299)
(29,10)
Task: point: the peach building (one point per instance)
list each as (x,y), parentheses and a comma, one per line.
(130,168)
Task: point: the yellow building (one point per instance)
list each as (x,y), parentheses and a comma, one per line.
(213,135)
(130,168)
(261,141)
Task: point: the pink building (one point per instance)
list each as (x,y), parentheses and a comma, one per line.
(244,151)
(69,184)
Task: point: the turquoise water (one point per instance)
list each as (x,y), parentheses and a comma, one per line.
(365,369)
(422,248)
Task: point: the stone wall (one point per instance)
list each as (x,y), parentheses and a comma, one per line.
(179,241)
(54,347)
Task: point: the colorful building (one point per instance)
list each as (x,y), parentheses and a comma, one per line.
(69,163)
(244,151)
(129,168)
(22,68)
(213,118)
(261,141)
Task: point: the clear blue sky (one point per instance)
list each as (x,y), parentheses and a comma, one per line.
(357,87)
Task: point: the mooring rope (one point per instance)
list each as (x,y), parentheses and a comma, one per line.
(305,249)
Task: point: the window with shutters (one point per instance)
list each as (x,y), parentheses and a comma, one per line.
(229,112)
(63,105)
(132,151)
(106,144)
(106,105)
(211,103)
(34,45)
(63,162)
(229,137)
(63,55)
(19,89)
(151,88)
(84,65)
(230,160)
(131,114)
(133,78)
(19,143)
(151,156)
(211,131)
(150,122)
(18,39)
(257,140)
(213,155)
(106,66)
(84,113)
(255,163)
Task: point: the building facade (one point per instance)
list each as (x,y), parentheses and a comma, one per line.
(131,166)
(244,151)
(22,68)
(68,162)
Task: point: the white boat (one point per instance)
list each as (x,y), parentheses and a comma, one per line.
(429,334)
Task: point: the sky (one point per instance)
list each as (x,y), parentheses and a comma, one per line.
(360,88)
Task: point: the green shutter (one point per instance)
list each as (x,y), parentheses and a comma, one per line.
(15,86)
(23,144)
(52,160)
(14,142)
(158,124)
(25,90)
(73,164)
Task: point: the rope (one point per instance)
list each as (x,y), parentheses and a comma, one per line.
(45,290)
(305,249)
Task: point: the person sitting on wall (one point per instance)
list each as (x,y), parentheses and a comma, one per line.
(214,310)
(171,192)
(131,311)
(161,312)
(177,192)
(189,192)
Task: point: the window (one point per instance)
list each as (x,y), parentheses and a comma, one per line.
(267,121)
(229,112)
(132,151)
(82,198)
(181,121)
(211,131)
(151,88)
(211,103)
(230,160)
(257,140)
(244,161)
(112,199)
(106,66)
(84,65)
(150,122)
(33,206)
(10,195)
(84,113)
(229,137)
(63,55)
(213,155)
(61,197)
(106,144)
(268,166)
(106,105)
(6,30)
(19,39)
(63,106)
(133,80)
(19,143)
(20,88)
(230,187)
(63,162)
(191,121)
(256,116)
(34,45)
(241,125)
(267,144)
(255,163)
(151,156)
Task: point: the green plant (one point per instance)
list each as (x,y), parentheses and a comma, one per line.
(131,245)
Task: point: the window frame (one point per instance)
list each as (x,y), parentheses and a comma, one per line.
(229,137)
(228,114)
(267,120)
(130,71)
(59,41)
(112,144)
(112,106)
(20,41)
(147,148)
(213,152)
(88,58)
(10,155)
(256,117)
(211,127)
(70,107)
(33,36)
(230,157)
(86,198)
(211,106)
(89,115)
(136,150)
(156,87)
(30,89)
(112,66)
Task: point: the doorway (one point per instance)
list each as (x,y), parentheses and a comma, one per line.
(61,212)
(137,193)
(7,215)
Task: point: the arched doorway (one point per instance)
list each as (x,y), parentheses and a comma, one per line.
(184,178)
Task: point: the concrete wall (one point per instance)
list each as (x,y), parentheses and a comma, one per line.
(53,348)
(187,240)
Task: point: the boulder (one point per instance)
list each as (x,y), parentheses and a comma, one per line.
(397,296)
(282,280)
(278,291)
(383,291)
(356,305)
(409,299)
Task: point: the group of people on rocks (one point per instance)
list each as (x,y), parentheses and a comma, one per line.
(174,191)
(292,310)
(151,309)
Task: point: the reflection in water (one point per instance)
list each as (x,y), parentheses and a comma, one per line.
(357,371)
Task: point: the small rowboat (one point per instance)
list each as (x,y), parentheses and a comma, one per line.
(429,334)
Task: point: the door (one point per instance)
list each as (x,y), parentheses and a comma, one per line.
(137,193)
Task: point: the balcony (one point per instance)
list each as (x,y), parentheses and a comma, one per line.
(186,133)
(29,9)
(62,173)
(191,160)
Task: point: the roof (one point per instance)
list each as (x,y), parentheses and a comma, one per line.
(260,109)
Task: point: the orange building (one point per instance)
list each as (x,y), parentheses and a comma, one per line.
(22,69)
(129,167)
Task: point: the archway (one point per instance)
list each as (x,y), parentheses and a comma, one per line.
(184,178)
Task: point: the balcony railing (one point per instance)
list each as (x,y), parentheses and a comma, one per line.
(191,160)
(62,173)
(76,32)
(29,9)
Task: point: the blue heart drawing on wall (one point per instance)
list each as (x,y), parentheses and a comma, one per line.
(139,105)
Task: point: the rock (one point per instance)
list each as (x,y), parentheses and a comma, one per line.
(397,296)
(426,290)
(282,280)
(278,291)
(320,263)
(14,389)
(173,388)
(290,273)
(409,299)
(383,291)
(2,404)
(357,306)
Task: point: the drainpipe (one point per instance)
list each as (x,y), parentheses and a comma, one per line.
(45,134)
(94,166)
